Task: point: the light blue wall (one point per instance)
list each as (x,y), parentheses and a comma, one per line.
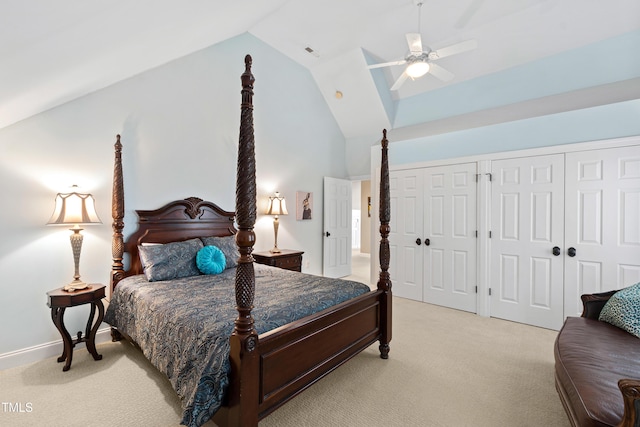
(590,124)
(382,86)
(179,125)
(608,61)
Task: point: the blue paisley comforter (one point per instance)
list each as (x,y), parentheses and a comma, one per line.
(183,325)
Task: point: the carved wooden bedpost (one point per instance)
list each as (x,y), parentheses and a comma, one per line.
(384,283)
(117,213)
(244,361)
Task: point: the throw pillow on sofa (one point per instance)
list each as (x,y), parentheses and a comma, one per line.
(623,310)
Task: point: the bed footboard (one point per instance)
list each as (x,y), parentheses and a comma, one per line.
(294,357)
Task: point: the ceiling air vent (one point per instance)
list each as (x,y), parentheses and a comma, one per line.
(312,52)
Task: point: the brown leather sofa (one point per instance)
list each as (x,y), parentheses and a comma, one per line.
(597,369)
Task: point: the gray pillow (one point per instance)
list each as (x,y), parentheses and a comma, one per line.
(171,260)
(227,245)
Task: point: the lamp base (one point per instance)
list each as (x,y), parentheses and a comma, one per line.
(76,285)
(275,249)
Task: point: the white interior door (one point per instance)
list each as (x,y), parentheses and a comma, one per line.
(602,226)
(405,266)
(336,260)
(527,218)
(450,236)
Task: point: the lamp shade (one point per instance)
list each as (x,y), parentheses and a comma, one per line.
(74,209)
(277,205)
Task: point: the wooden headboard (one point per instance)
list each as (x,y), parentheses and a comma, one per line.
(176,221)
(179,220)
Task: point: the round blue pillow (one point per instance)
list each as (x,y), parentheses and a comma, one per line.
(211,260)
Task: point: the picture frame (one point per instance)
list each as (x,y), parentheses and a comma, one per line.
(304,205)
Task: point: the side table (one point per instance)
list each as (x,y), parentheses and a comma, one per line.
(287,259)
(59,300)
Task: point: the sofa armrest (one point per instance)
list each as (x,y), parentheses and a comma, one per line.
(592,303)
(631,394)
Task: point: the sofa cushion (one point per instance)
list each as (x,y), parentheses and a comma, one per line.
(591,356)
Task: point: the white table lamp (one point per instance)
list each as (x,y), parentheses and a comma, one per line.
(75,209)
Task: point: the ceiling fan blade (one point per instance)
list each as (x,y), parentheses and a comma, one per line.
(440,73)
(414,40)
(400,80)
(453,49)
(468,13)
(387,64)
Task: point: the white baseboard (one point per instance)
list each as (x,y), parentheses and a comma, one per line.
(44,351)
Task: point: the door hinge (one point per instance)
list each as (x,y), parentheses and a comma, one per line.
(476,234)
(489,291)
(476,289)
(477,177)
(489,233)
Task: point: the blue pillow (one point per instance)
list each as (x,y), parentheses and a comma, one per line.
(210,260)
(227,245)
(623,310)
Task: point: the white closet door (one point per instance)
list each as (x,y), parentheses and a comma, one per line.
(406,227)
(450,277)
(602,225)
(527,214)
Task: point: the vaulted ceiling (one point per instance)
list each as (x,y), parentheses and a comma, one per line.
(55,51)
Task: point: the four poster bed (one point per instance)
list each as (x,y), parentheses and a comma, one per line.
(236,363)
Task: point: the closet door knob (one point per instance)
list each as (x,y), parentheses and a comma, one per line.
(571,252)
(427,242)
(327,234)
(556,250)
(418,241)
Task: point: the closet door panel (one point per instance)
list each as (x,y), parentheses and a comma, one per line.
(527,213)
(435,271)
(602,225)
(407,225)
(509,279)
(450,257)
(541,291)
(460,273)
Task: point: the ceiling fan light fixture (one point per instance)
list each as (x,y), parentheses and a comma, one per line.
(417,69)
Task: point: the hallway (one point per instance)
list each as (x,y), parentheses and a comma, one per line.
(360,267)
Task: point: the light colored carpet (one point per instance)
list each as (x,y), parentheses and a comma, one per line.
(446,368)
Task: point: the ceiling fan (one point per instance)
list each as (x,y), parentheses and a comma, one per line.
(420,61)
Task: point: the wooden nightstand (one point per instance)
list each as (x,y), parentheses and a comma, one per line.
(286,258)
(59,300)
